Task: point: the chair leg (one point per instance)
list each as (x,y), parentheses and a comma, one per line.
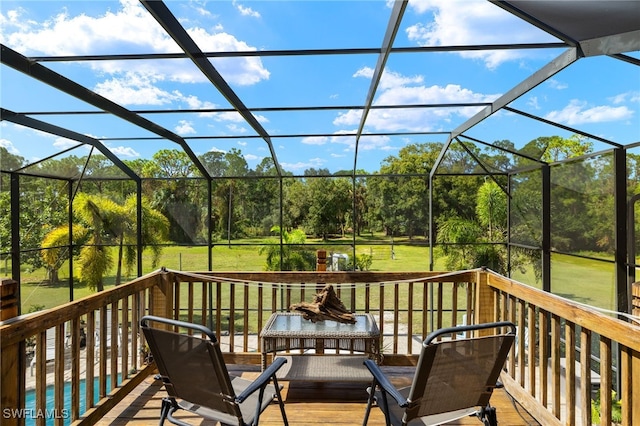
(170,406)
(370,399)
(384,406)
(280,402)
(167,405)
(488,416)
(256,418)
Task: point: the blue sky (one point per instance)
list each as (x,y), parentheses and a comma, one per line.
(598,95)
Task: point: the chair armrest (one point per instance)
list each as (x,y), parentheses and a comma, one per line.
(263,379)
(384,383)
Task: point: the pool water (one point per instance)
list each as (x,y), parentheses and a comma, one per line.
(49,413)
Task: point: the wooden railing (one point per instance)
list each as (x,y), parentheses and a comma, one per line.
(406,305)
(236,305)
(566,355)
(90,347)
(96,338)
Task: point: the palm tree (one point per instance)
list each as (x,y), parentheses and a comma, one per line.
(155,230)
(55,248)
(294,256)
(103,217)
(103,222)
(472,243)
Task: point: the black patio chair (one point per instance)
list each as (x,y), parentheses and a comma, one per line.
(197,380)
(454,378)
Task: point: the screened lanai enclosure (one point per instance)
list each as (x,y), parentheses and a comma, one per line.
(396,136)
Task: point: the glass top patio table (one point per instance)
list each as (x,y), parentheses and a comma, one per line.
(285,331)
(294,325)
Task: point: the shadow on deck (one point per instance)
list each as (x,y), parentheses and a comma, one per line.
(306,403)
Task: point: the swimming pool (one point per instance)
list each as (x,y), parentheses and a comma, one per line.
(31,414)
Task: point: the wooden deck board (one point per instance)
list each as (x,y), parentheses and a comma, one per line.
(306,403)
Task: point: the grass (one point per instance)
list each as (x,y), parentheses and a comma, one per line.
(583,280)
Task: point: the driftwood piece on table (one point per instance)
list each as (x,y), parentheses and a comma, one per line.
(325,306)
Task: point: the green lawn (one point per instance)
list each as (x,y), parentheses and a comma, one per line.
(579,279)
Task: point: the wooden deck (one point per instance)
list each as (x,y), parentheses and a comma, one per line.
(306,403)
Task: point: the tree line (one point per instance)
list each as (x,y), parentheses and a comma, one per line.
(470,197)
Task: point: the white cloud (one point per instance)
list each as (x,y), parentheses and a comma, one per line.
(252,157)
(130,28)
(234,117)
(241,143)
(261,118)
(389,79)
(633,97)
(234,128)
(315,140)
(245,11)
(558,85)
(137,89)
(533,102)
(195,103)
(472,22)
(215,149)
(63,34)
(125,151)
(8,145)
(201,10)
(366,143)
(303,165)
(229,116)
(348,118)
(185,127)
(64,143)
(579,112)
(397,89)
(243,71)
(16,20)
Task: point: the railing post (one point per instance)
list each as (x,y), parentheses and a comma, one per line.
(321,260)
(321,265)
(485,301)
(12,361)
(635,298)
(161,296)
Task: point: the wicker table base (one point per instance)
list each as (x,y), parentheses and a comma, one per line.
(288,332)
(325,368)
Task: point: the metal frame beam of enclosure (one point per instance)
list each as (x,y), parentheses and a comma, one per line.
(272,109)
(631,244)
(563,127)
(301,52)
(546,227)
(623,302)
(397,12)
(169,22)
(15,231)
(52,129)
(70,240)
(500,148)
(37,71)
(556,65)
(482,166)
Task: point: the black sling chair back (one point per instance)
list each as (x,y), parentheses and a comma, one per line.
(195,376)
(454,378)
